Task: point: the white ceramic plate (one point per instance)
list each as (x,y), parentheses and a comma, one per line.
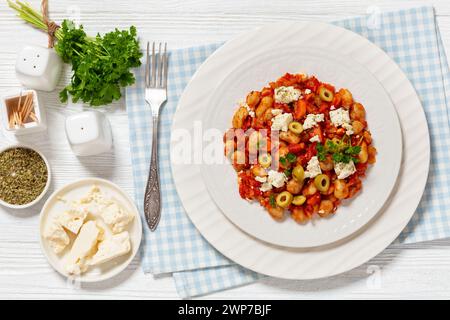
(348,253)
(77,190)
(342,72)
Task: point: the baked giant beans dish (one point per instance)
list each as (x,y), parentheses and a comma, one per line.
(299,146)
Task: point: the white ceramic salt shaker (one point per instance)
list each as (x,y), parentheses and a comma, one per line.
(38,68)
(89,133)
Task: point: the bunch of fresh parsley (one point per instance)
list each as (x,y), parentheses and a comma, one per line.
(101,65)
(340,151)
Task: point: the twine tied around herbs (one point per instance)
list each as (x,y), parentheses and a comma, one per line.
(51,26)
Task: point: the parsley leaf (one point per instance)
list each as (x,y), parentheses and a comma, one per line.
(321,152)
(291,157)
(283,161)
(288,172)
(353,150)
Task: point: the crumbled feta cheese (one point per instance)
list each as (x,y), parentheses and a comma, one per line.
(344,170)
(276,112)
(265,187)
(261,179)
(341,117)
(286,94)
(315,139)
(281,121)
(307,91)
(313,168)
(312,120)
(276,179)
(332,107)
(349,128)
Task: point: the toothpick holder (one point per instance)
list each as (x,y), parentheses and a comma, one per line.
(8,103)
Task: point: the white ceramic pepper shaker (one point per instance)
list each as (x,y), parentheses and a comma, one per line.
(89,133)
(38,68)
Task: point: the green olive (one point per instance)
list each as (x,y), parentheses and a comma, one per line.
(325,94)
(298,173)
(299,200)
(322,182)
(296,127)
(284,199)
(265,160)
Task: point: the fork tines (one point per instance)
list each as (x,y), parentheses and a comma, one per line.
(156,67)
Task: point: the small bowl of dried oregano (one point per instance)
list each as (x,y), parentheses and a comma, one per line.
(24,176)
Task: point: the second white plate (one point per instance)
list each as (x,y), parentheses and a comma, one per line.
(303,263)
(342,72)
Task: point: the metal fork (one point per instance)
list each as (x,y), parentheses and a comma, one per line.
(155,95)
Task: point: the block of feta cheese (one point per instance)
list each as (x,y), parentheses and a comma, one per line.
(111,248)
(312,120)
(276,179)
(72,219)
(286,94)
(313,168)
(282,121)
(341,117)
(83,247)
(344,170)
(316,138)
(116,217)
(93,202)
(56,236)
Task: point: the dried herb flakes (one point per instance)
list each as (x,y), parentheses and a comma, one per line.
(23,175)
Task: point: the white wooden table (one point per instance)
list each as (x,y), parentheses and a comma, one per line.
(406,271)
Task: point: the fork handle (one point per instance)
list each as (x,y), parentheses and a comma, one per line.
(152,197)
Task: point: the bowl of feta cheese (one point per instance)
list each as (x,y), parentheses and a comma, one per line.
(90,230)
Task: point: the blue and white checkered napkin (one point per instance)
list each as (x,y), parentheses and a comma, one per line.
(410,37)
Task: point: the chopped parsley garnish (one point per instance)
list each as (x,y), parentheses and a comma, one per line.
(321,152)
(291,157)
(288,172)
(339,150)
(272,200)
(353,150)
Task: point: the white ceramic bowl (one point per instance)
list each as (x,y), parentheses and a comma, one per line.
(47,185)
